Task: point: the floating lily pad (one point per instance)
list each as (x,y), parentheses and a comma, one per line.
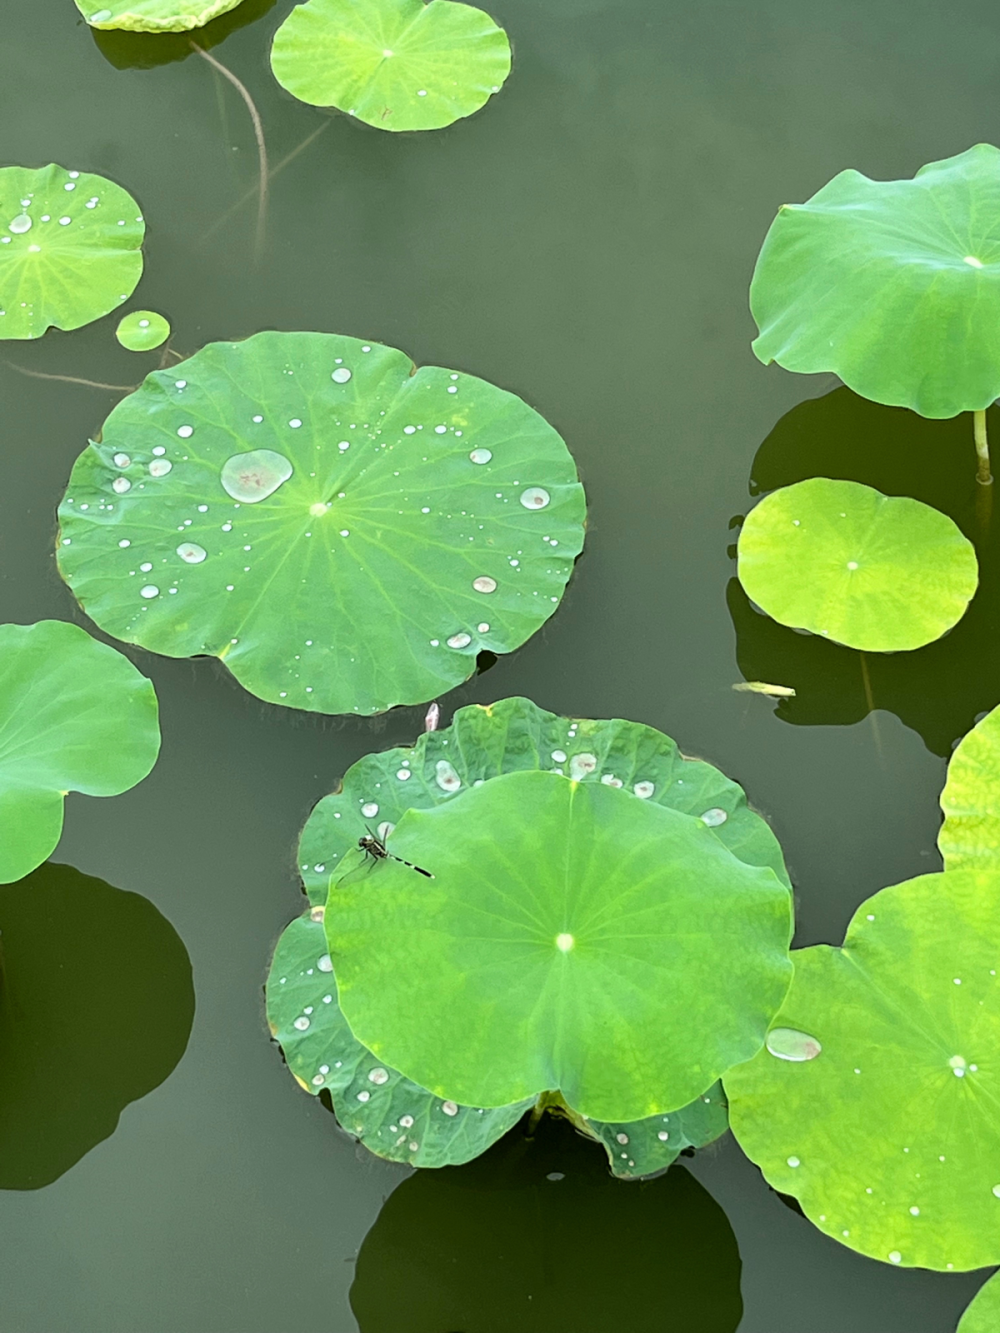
(395,1118)
(638,1149)
(970,835)
(894,286)
(69,249)
(153,15)
(346,534)
(889,1135)
(877,572)
(514,735)
(74,716)
(142,330)
(982,1315)
(395,64)
(555,942)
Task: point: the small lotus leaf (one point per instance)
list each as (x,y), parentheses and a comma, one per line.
(877,572)
(892,285)
(982,1315)
(558,944)
(638,1149)
(344,533)
(889,1137)
(395,64)
(74,716)
(514,735)
(395,1118)
(69,249)
(142,330)
(153,15)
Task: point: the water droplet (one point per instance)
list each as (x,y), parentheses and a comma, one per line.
(121,460)
(324,964)
(254,476)
(610,780)
(370,809)
(622,1138)
(446,777)
(794,1162)
(534,497)
(180,384)
(461,640)
(120,485)
(483,627)
(663,1135)
(895,1256)
(957,1065)
(20,224)
(344,445)
(402,774)
(191,553)
(124,543)
(915,1211)
(996,1191)
(582,764)
(341,375)
(364,1096)
(378,1075)
(295,423)
(159,451)
(714,817)
(484,583)
(159,467)
(406,1121)
(318,1080)
(559,756)
(564,942)
(149,591)
(449,1108)
(101,16)
(301,1023)
(791,1044)
(185,432)
(480,456)
(64,222)
(644,790)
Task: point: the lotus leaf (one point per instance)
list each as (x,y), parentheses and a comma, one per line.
(514,735)
(74,716)
(555,942)
(395,64)
(344,533)
(142,330)
(970,835)
(892,285)
(876,572)
(983,1313)
(395,1118)
(69,249)
(642,1148)
(879,1108)
(153,15)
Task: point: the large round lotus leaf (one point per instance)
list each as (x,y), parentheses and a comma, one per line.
(892,285)
(153,15)
(572,938)
(882,573)
(69,249)
(970,835)
(514,735)
(74,716)
(889,1136)
(641,1148)
(394,1117)
(983,1313)
(346,534)
(395,64)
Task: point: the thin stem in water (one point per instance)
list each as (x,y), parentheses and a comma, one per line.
(71,379)
(983,475)
(224,218)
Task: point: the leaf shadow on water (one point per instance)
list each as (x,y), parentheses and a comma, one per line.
(146,50)
(96,1007)
(938,690)
(536,1235)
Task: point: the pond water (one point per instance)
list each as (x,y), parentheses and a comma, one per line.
(585,241)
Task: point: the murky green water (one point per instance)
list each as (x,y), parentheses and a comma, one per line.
(585,241)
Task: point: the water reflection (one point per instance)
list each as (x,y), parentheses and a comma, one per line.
(938,690)
(535,1235)
(96,1006)
(144,50)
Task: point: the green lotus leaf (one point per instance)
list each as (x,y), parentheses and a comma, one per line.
(74,716)
(969,838)
(514,735)
(395,64)
(638,1149)
(882,573)
(555,942)
(982,1315)
(877,1102)
(142,330)
(395,1118)
(344,533)
(70,249)
(153,15)
(892,285)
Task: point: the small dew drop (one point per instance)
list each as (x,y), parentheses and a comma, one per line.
(159,467)
(149,591)
(714,817)
(370,809)
(120,485)
(378,1075)
(644,790)
(449,1108)
(794,1162)
(480,456)
(324,963)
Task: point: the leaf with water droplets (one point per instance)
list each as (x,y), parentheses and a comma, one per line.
(891,285)
(395,64)
(74,716)
(355,556)
(392,1116)
(153,15)
(889,1135)
(638,1149)
(70,249)
(142,330)
(969,838)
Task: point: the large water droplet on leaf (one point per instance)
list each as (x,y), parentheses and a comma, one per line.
(791,1044)
(254,476)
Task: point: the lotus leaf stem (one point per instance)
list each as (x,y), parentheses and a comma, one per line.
(983,476)
(72,379)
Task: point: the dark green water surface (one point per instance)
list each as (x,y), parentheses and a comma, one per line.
(585,241)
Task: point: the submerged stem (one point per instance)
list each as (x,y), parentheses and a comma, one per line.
(71,379)
(983,475)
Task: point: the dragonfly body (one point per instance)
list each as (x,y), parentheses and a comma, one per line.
(377,850)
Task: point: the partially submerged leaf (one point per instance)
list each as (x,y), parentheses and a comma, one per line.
(969,838)
(74,716)
(878,1105)
(142,330)
(70,249)
(875,572)
(638,1149)
(982,1315)
(153,15)
(344,532)
(395,64)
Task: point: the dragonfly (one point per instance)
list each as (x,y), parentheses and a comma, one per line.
(374,847)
